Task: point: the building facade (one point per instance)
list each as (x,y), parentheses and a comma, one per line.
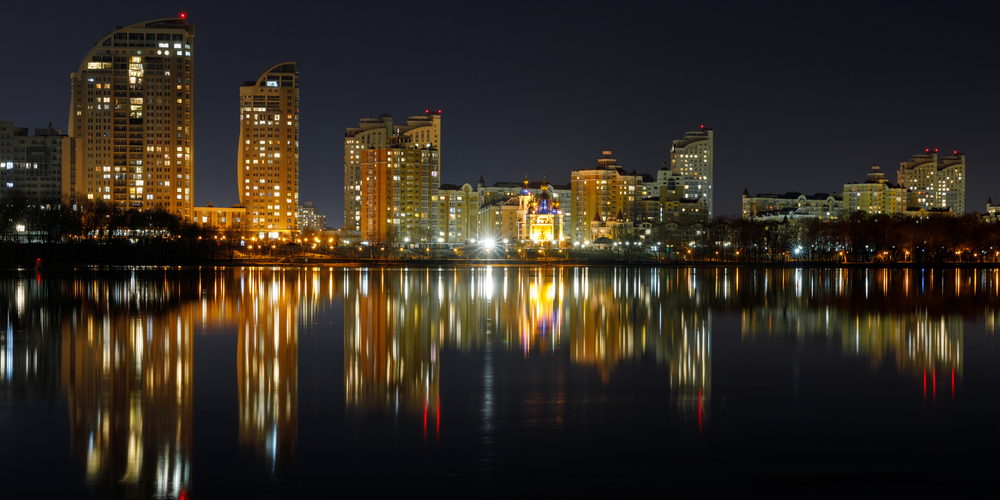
(222,218)
(935,182)
(131,119)
(827,207)
(399,193)
(423,130)
(875,196)
(603,192)
(458,216)
(269,151)
(694,157)
(310,219)
(31,166)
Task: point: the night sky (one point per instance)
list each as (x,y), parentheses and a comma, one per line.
(802,96)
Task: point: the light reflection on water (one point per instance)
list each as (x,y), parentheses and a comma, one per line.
(119,345)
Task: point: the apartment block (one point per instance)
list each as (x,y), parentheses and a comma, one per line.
(935,182)
(131,119)
(268,168)
(31,166)
(422,130)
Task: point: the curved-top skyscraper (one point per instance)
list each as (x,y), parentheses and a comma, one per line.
(269,150)
(131,119)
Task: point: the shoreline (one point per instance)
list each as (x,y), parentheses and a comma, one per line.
(460,264)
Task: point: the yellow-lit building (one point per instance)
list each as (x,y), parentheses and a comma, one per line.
(399,190)
(694,157)
(458,218)
(220,217)
(269,151)
(131,119)
(423,130)
(935,183)
(875,196)
(602,192)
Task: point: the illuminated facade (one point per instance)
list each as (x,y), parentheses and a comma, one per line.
(399,191)
(31,166)
(220,217)
(269,151)
(423,130)
(694,157)
(875,196)
(933,182)
(310,219)
(602,192)
(131,119)
(458,220)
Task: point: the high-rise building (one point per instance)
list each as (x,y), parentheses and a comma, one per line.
(935,183)
(693,156)
(31,166)
(131,118)
(399,193)
(602,193)
(269,151)
(423,130)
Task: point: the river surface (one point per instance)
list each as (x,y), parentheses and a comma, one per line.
(492,382)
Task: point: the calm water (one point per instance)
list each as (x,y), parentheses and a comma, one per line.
(262,382)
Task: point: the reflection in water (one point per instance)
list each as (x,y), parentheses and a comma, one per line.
(126,368)
(29,342)
(392,334)
(120,345)
(397,321)
(267,365)
(910,315)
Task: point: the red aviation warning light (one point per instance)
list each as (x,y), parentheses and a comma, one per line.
(184,15)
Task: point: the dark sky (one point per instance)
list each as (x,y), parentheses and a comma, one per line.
(802,96)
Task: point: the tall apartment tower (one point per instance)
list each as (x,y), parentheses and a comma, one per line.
(693,156)
(935,182)
(422,130)
(269,151)
(131,119)
(399,193)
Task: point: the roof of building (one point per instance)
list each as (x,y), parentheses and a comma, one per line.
(793,195)
(449,187)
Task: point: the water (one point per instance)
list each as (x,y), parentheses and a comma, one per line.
(485,382)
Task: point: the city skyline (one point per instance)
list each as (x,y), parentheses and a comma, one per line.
(829,94)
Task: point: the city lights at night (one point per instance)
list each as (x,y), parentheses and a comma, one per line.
(237,260)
